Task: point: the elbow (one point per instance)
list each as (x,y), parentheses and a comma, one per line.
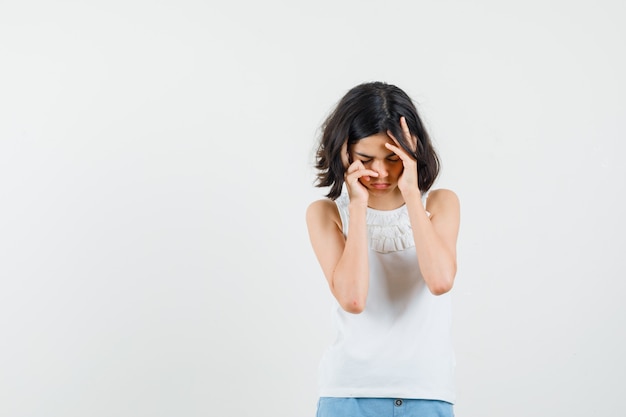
(441,286)
(353,306)
(351,298)
(440,289)
(441,282)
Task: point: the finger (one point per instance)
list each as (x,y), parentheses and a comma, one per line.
(393,137)
(407,133)
(363,173)
(366,173)
(357,170)
(405,157)
(355,166)
(396,149)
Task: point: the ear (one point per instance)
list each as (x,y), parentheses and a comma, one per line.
(345,158)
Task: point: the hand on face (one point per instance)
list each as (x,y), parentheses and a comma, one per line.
(409,178)
(355,171)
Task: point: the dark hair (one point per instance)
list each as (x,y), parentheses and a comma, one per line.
(366,110)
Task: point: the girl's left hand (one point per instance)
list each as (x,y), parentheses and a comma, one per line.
(408,178)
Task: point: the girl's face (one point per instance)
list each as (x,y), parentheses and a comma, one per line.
(371,151)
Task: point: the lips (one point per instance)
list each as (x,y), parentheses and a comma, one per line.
(380,185)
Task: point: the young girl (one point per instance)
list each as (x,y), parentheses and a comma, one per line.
(387,247)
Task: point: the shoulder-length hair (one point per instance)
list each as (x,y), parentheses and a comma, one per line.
(366,110)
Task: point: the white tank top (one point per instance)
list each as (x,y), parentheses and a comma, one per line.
(400,346)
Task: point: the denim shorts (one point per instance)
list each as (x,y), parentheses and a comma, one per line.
(382,407)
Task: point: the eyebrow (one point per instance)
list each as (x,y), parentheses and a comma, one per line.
(369,156)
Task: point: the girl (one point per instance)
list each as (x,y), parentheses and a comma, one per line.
(387,247)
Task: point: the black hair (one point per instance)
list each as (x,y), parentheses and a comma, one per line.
(366,110)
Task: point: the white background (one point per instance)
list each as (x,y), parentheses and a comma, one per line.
(156,163)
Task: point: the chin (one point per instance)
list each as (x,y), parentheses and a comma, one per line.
(381,191)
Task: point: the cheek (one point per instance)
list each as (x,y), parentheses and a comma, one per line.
(397,169)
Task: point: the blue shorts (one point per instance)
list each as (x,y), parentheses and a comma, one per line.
(382,407)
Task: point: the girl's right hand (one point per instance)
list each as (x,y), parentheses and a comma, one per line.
(357,191)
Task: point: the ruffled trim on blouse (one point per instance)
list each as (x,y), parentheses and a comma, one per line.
(387,230)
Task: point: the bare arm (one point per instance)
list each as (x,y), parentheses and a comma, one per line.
(344,261)
(435,237)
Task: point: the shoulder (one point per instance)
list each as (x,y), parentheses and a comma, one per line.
(442,195)
(442,200)
(322,211)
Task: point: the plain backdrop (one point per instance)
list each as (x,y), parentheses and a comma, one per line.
(156,162)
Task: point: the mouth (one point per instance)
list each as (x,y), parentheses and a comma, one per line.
(380,185)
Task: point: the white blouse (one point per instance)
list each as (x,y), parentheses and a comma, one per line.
(400,345)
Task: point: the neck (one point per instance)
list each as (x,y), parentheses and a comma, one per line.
(389,201)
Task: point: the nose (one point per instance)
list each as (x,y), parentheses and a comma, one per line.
(380,167)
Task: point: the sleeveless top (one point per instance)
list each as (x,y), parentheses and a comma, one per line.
(400,346)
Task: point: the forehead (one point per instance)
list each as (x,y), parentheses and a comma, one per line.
(373,143)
